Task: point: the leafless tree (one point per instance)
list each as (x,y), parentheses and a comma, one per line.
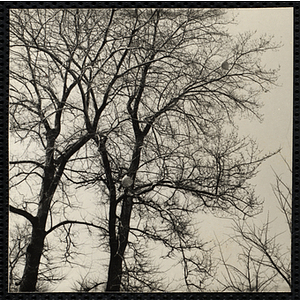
(156,91)
(46,91)
(19,240)
(139,275)
(283,194)
(17,251)
(264,261)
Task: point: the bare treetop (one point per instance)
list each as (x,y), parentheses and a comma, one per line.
(150,94)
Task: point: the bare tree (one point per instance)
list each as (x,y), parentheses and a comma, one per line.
(283,194)
(17,250)
(46,90)
(139,275)
(157,92)
(19,241)
(264,261)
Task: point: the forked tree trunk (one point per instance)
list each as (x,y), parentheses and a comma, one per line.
(35,248)
(51,179)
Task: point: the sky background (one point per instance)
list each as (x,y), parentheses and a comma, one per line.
(273,133)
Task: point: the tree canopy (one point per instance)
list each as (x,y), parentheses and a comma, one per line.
(151,94)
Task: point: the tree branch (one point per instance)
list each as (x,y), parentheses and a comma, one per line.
(27,162)
(73,222)
(23,213)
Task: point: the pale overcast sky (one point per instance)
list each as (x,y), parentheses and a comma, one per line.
(274,132)
(276,129)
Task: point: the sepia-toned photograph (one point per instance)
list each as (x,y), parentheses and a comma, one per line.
(150,150)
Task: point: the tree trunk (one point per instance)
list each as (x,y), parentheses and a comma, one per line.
(35,248)
(119,240)
(33,256)
(114,274)
(117,251)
